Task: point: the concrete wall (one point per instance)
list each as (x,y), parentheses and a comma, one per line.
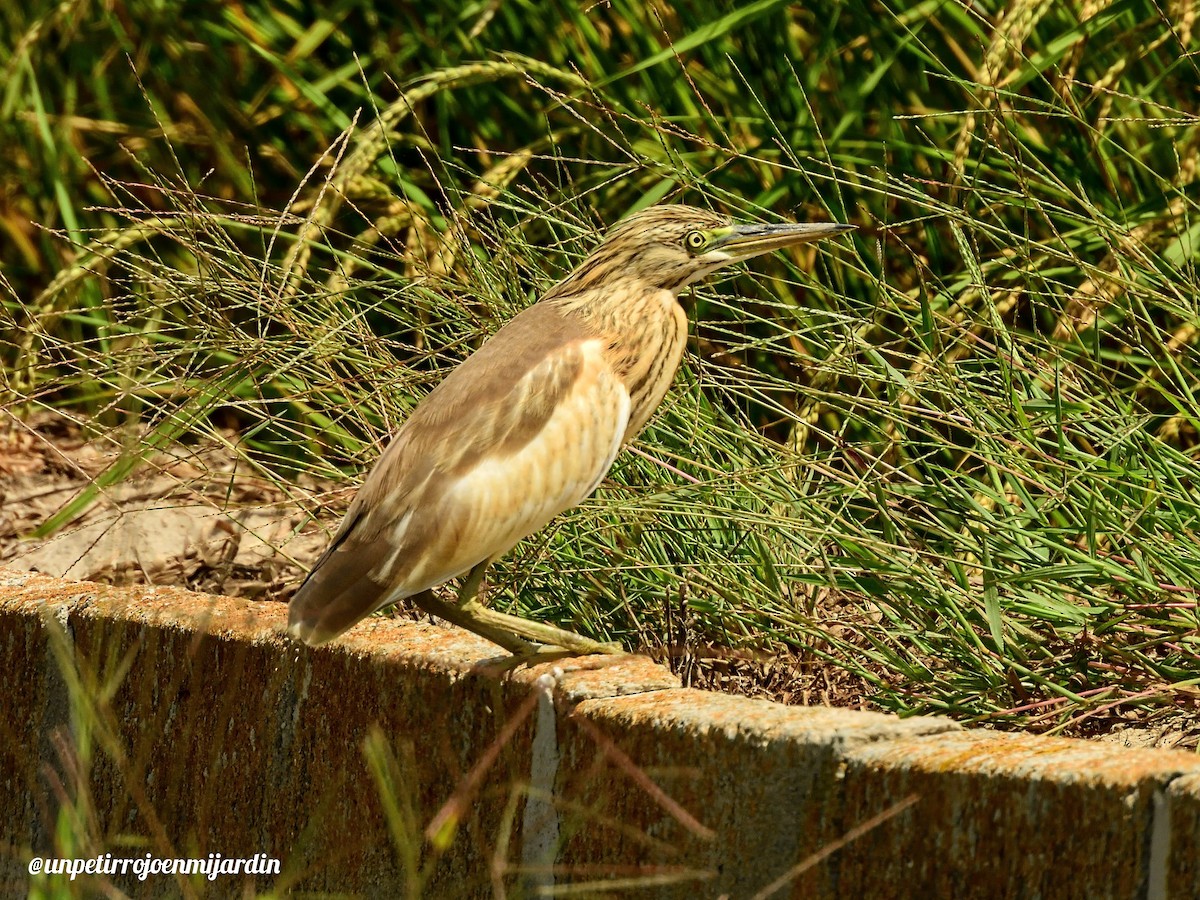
(153,720)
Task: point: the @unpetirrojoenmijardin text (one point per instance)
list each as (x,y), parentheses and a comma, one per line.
(211,867)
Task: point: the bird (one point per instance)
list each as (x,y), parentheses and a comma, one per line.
(525,428)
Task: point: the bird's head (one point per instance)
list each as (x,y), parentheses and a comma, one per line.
(670,246)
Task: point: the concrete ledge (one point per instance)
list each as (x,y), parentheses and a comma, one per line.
(154,720)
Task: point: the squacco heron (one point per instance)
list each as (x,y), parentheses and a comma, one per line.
(524,429)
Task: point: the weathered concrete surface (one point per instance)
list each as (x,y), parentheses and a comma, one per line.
(1031,817)
(1179,846)
(763,781)
(218,734)
(182,724)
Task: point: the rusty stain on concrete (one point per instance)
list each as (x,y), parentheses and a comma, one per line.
(211,732)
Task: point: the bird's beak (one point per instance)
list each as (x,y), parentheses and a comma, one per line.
(739,242)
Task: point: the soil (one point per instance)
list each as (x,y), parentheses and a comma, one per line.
(194,516)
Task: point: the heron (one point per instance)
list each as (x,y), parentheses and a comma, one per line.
(526,428)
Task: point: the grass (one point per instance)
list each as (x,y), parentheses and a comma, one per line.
(952,457)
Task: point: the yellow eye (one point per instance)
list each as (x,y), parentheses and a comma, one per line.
(694,240)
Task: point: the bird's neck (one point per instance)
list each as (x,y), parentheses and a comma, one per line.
(620,310)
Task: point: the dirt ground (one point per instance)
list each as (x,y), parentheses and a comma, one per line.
(185,517)
(193,517)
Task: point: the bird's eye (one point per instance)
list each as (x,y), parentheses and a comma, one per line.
(694,240)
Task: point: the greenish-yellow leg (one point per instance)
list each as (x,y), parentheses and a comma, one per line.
(521,637)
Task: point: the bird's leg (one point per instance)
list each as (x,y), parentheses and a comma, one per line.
(519,636)
(452,613)
(548,636)
(469,592)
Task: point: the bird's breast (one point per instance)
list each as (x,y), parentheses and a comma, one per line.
(647,352)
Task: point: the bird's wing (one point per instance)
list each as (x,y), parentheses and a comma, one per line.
(522,430)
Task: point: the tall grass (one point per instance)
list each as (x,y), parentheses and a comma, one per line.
(952,455)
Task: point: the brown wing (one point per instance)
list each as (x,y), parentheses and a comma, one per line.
(521,430)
